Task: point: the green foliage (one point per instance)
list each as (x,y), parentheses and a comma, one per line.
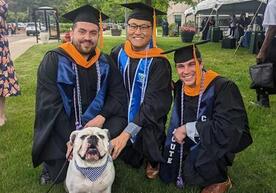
(115,16)
(107,6)
(172,30)
(65,27)
(254,169)
(19,17)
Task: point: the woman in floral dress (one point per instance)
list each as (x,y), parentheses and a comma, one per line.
(8,81)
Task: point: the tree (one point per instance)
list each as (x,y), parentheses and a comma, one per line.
(27,6)
(24,5)
(107,6)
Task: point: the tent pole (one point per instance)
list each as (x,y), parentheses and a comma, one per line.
(195,22)
(252,20)
(217,16)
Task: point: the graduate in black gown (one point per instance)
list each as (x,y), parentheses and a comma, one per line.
(208,126)
(147,78)
(77,86)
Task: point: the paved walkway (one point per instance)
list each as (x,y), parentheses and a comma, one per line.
(17,48)
(20,44)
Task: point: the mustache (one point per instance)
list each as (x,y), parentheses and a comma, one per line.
(138,36)
(87,41)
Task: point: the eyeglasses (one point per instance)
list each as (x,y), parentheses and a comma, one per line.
(134,27)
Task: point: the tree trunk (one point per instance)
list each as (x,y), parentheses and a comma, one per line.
(16,17)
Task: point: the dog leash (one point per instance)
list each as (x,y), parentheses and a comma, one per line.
(59,173)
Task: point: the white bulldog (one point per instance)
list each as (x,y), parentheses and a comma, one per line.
(91,169)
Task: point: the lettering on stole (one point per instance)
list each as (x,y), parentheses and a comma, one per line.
(173,144)
(172,149)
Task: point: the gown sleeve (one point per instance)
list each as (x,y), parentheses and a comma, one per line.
(158,98)
(115,103)
(49,139)
(228,128)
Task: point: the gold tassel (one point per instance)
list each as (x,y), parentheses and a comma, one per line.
(197,69)
(101,32)
(154,30)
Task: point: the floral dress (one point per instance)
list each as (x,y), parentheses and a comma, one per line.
(8,81)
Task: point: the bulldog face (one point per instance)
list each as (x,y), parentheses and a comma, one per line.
(90,144)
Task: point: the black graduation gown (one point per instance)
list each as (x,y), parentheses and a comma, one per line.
(224,133)
(152,115)
(52,126)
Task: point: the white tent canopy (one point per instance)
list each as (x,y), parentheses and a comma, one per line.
(229,6)
(190,11)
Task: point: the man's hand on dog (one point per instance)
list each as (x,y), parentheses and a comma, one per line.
(98,121)
(119,144)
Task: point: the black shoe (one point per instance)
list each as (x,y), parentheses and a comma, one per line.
(45,177)
(264,101)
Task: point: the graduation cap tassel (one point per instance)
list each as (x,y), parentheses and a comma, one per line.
(179,180)
(101,31)
(154,29)
(198,71)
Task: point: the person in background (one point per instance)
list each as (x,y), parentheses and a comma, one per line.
(147,79)
(233,25)
(13,28)
(8,81)
(259,21)
(165,28)
(267,51)
(204,28)
(208,125)
(242,24)
(211,23)
(66,38)
(77,86)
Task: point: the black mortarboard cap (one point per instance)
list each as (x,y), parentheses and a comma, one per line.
(185,53)
(85,13)
(142,11)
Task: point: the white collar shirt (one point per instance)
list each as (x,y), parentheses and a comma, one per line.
(270,14)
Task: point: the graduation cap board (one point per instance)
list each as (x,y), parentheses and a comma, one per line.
(186,53)
(86,13)
(142,11)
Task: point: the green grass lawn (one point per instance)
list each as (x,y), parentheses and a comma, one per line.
(253,170)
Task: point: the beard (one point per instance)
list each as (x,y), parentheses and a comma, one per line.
(85,47)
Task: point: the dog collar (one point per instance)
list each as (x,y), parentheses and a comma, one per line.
(93,173)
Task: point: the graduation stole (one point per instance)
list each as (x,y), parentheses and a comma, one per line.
(67,82)
(71,50)
(169,170)
(209,77)
(136,91)
(149,53)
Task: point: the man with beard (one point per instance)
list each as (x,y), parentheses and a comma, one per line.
(147,79)
(77,86)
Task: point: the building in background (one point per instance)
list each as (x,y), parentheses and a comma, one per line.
(176,11)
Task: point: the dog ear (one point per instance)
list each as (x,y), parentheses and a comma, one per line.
(73,136)
(107,133)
